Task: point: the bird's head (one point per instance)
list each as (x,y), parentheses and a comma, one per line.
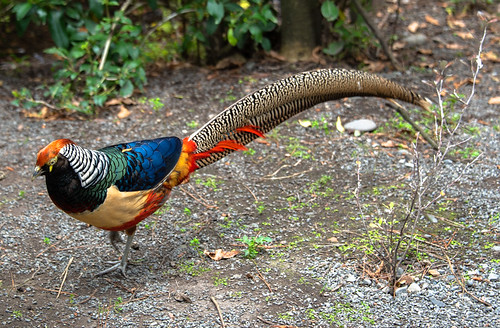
(48,157)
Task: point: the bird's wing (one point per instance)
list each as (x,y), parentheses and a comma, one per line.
(143,165)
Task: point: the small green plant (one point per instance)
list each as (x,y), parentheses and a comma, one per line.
(253,244)
(155,103)
(195,242)
(17,314)
(220,281)
(192,269)
(187,211)
(210,183)
(21,193)
(468,153)
(192,124)
(297,150)
(249,152)
(47,241)
(149,225)
(118,305)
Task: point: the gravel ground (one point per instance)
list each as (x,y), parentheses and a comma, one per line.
(306,279)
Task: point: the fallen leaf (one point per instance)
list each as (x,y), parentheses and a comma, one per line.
(434,272)
(494,100)
(398,45)
(455,23)
(425,51)
(388,144)
(477,278)
(333,240)
(113,102)
(465,35)
(219,254)
(432,20)
(262,141)
(490,55)
(339,126)
(413,27)
(454,46)
(406,279)
(123,113)
(375,66)
(466,81)
(305,123)
(181,297)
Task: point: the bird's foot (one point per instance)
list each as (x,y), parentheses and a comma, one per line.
(118,265)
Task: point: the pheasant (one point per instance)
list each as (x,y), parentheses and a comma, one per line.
(116,187)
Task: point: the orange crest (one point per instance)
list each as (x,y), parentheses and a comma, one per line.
(51,150)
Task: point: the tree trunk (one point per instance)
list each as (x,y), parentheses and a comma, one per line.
(300,28)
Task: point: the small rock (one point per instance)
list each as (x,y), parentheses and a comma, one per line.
(436,302)
(413,288)
(496,248)
(401,291)
(492,277)
(350,278)
(417,39)
(362,125)
(365,282)
(432,218)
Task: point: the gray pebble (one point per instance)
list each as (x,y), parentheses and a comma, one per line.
(492,277)
(417,39)
(362,125)
(436,302)
(402,291)
(350,278)
(414,287)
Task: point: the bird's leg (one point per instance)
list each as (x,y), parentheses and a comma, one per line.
(122,265)
(114,237)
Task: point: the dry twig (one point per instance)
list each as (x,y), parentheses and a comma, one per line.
(222,324)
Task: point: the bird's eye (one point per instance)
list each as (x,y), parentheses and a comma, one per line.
(53,161)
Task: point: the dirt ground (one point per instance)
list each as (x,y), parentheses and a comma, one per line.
(296,187)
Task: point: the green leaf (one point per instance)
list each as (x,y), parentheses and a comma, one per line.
(21,9)
(127,89)
(99,100)
(329,10)
(96,7)
(266,44)
(57,29)
(334,48)
(231,38)
(216,10)
(76,52)
(58,52)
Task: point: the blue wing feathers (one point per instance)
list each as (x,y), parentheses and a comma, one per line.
(148,162)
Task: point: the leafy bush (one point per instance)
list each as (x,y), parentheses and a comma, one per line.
(350,36)
(97,48)
(235,22)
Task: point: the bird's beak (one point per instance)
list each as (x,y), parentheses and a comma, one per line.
(38,172)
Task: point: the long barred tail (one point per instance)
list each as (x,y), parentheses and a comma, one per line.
(264,109)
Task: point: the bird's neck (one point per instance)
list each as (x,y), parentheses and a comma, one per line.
(70,184)
(89,165)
